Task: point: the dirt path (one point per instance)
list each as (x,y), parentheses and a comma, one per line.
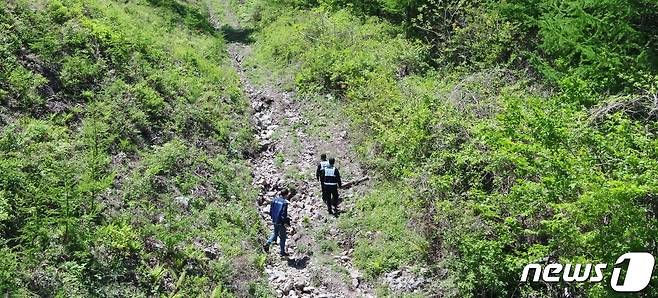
(292,133)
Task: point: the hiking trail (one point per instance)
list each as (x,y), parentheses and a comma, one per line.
(320,260)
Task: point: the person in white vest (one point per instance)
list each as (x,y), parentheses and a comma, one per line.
(321,165)
(330,178)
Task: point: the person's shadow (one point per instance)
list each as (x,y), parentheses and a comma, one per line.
(238,35)
(299,263)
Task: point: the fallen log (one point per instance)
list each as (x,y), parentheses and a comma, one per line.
(355,182)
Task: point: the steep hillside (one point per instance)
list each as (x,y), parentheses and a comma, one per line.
(503,133)
(123,139)
(495,133)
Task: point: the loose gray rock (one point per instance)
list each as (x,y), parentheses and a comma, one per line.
(183,201)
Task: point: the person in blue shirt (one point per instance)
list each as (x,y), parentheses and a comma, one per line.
(279,214)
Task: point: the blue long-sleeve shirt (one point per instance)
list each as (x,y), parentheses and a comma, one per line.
(279,210)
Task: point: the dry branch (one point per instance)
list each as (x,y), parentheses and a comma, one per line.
(643,107)
(354,182)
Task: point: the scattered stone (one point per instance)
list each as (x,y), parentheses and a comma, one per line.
(212,251)
(267,135)
(153,244)
(300,284)
(159,218)
(286,287)
(183,201)
(355,282)
(394,274)
(404,280)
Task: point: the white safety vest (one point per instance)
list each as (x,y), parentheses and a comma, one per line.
(324,164)
(330,172)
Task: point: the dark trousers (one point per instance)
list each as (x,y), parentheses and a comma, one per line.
(330,197)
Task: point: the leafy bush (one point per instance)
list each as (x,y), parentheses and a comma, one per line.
(24,86)
(600,42)
(379,223)
(335,55)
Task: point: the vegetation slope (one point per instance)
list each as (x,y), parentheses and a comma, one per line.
(503,132)
(122,153)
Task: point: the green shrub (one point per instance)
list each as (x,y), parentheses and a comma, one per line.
(79,73)
(600,42)
(380,224)
(8,267)
(334,54)
(119,238)
(24,86)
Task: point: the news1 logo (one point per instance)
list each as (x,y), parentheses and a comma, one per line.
(638,273)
